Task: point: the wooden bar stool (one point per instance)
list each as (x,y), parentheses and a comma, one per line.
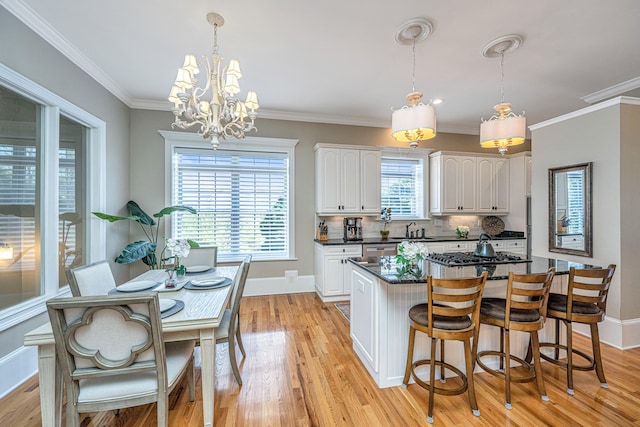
(585,302)
(451,313)
(524,309)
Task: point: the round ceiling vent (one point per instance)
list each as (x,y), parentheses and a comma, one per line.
(416,30)
(505,44)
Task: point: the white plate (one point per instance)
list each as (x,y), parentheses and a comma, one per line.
(138,285)
(208,282)
(166,303)
(198,268)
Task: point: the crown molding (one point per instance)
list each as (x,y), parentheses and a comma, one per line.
(42,28)
(602,105)
(612,91)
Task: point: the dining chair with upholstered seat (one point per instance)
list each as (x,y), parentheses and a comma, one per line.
(452,312)
(112,355)
(91,279)
(202,256)
(229,329)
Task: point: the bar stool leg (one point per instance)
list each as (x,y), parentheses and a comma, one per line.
(470,362)
(432,377)
(506,351)
(407,371)
(569,358)
(501,348)
(442,379)
(534,347)
(556,351)
(597,357)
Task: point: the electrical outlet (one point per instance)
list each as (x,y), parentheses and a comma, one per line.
(291,275)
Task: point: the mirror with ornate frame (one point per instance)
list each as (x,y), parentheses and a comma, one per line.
(570,209)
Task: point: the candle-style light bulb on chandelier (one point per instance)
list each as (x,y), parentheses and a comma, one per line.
(415,122)
(505,128)
(214,108)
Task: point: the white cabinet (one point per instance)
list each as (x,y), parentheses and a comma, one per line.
(363,320)
(453,183)
(571,242)
(493,185)
(466,246)
(347,180)
(518,246)
(333,271)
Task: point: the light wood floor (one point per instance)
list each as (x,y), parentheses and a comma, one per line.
(300,370)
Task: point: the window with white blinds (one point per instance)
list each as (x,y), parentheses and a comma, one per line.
(402,186)
(575,201)
(241,199)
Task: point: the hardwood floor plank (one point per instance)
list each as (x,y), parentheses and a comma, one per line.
(301,370)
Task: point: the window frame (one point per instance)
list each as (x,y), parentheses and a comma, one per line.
(52,107)
(175,140)
(420,154)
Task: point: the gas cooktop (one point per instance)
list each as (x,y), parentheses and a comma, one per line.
(453,259)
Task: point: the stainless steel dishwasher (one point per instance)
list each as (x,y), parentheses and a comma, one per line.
(378,249)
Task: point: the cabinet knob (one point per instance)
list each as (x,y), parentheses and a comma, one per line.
(362,208)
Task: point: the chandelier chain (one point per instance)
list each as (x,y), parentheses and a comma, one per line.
(215,39)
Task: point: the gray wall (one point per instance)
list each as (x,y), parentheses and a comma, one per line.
(608,138)
(147,169)
(629,207)
(28,54)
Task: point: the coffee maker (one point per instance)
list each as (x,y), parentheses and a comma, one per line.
(352,228)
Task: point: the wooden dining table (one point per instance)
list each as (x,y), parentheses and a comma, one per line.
(201,315)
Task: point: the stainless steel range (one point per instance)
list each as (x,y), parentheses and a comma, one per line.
(453,259)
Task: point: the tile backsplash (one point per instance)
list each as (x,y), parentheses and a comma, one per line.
(437,226)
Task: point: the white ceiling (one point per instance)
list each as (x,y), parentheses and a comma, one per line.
(336,61)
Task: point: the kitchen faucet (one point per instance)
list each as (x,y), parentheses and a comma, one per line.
(406,234)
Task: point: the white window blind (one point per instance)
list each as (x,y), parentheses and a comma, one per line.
(241,199)
(575,201)
(401,186)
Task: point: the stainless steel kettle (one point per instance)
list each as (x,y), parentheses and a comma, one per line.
(484,248)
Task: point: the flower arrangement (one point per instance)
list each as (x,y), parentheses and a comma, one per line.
(462,231)
(385,215)
(179,248)
(409,254)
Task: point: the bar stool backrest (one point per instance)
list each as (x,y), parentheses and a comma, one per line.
(588,286)
(528,292)
(455,298)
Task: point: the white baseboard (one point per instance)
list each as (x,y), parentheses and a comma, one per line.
(622,334)
(17,367)
(279,285)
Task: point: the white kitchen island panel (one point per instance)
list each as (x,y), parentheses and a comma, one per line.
(380,327)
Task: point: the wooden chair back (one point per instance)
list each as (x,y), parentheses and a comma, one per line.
(589,286)
(528,292)
(455,298)
(97,337)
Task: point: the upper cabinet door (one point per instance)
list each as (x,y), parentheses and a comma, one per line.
(328,181)
(350,171)
(347,181)
(468,184)
(370,182)
(501,185)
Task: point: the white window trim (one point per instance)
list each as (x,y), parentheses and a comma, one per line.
(54,106)
(414,153)
(192,140)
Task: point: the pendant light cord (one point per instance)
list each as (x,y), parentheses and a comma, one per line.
(414,66)
(502,77)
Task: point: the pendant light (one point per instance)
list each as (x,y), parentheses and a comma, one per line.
(504,128)
(415,122)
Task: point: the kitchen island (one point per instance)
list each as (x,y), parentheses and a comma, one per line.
(381,299)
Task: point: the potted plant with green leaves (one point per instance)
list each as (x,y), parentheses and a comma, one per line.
(385,215)
(145,250)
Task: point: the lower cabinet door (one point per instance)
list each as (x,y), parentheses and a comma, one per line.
(362,316)
(333,275)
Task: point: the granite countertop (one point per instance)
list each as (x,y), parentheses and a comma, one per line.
(377,240)
(385,268)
